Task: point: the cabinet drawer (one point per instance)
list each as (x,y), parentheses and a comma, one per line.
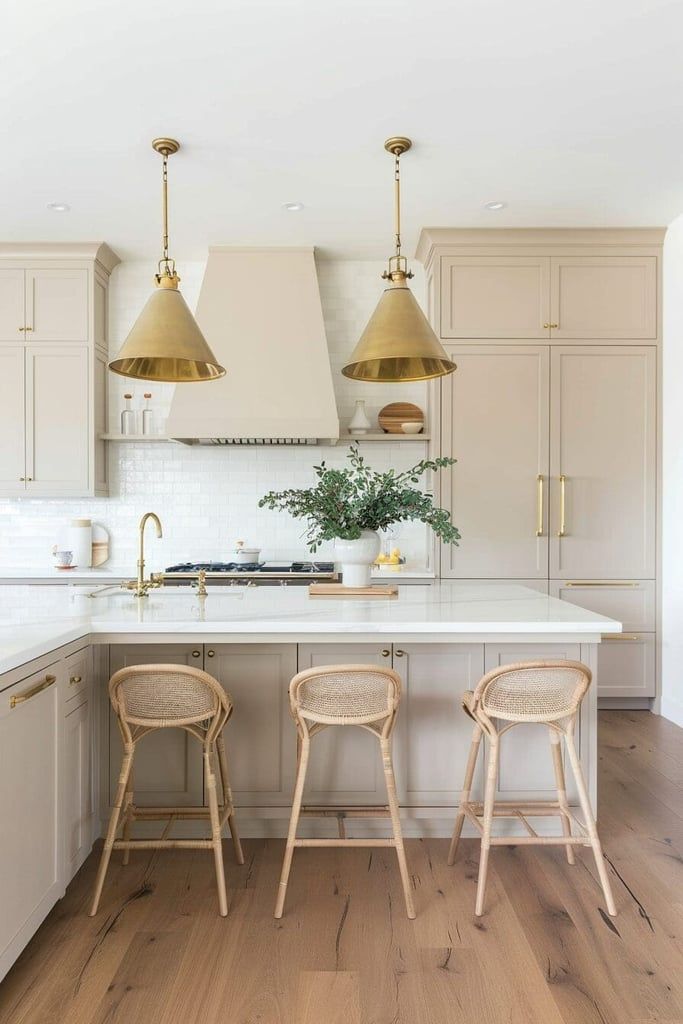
(626,665)
(75,678)
(630,602)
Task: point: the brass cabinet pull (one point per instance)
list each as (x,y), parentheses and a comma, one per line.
(195,654)
(75,680)
(621,636)
(600,583)
(210,654)
(385,652)
(548,326)
(539,507)
(22,329)
(21,698)
(562,532)
(399,653)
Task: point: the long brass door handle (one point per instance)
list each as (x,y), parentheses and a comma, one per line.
(21,698)
(562,532)
(539,506)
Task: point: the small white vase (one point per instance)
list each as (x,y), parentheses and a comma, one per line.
(356,558)
(359,423)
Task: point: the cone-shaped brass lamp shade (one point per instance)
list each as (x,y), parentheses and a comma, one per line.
(398,343)
(165,342)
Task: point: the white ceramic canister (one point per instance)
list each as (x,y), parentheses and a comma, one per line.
(80,542)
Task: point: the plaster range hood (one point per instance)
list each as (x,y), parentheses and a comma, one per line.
(259,310)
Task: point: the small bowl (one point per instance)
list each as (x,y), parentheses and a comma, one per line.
(412,428)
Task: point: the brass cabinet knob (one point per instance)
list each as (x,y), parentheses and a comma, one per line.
(23,479)
(195,654)
(546,326)
(399,653)
(22,329)
(75,680)
(211,654)
(386,652)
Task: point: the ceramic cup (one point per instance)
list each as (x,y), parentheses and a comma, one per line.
(63,557)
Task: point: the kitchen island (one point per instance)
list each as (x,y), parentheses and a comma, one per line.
(60,748)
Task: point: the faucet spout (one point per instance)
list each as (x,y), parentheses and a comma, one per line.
(142,585)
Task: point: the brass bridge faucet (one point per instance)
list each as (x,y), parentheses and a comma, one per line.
(141,586)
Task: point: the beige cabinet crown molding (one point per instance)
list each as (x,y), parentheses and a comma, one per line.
(99,252)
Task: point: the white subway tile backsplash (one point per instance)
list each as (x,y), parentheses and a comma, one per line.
(207,498)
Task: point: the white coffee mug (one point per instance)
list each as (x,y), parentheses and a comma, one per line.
(63,558)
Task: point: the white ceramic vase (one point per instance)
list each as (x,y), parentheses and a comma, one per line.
(360,422)
(356,558)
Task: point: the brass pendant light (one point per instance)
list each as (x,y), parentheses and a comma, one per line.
(165,343)
(398,343)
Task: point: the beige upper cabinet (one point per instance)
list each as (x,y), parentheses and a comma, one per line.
(57,304)
(495,297)
(495,423)
(12,420)
(603,462)
(603,297)
(12,308)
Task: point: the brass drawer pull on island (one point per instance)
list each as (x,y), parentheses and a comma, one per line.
(601,583)
(620,636)
(539,507)
(21,698)
(562,532)
(211,654)
(75,680)
(195,654)
(399,653)
(386,652)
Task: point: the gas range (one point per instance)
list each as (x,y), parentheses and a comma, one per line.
(251,573)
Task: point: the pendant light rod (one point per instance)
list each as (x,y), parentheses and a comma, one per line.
(166,147)
(397,146)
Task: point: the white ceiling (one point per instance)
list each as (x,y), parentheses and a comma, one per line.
(570,112)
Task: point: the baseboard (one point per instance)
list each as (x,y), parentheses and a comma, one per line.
(624,703)
(672,708)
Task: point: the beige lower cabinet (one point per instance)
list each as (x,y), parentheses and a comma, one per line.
(260,736)
(168,764)
(526,767)
(77,762)
(30,849)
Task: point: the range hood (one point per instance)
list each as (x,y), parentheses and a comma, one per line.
(260,311)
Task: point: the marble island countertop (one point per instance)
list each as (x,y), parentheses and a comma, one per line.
(38,619)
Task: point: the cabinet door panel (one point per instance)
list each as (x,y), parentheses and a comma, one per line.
(626,666)
(12,420)
(57,419)
(345,765)
(603,439)
(57,304)
(433,733)
(260,737)
(526,767)
(602,297)
(495,423)
(168,763)
(12,312)
(495,296)
(30,859)
(77,786)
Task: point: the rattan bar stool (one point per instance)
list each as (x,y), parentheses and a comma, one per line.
(146,698)
(362,695)
(548,693)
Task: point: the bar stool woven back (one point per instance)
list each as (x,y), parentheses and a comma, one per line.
(366,696)
(546,693)
(146,698)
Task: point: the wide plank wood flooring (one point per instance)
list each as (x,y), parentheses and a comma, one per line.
(344,953)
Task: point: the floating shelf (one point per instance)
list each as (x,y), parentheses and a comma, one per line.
(344,439)
(382,437)
(130,438)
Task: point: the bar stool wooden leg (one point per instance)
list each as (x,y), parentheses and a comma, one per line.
(128,815)
(396,824)
(589,821)
(227,799)
(465,793)
(489,800)
(216,832)
(303,748)
(560,785)
(126,765)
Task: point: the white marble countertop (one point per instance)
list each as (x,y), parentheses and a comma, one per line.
(38,619)
(113,573)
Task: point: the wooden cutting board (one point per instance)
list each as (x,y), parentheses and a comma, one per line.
(392,416)
(339,590)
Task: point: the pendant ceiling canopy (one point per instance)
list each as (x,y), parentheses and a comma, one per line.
(398,343)
(165,343)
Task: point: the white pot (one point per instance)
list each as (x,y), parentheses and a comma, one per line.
(244,556)
(356,558)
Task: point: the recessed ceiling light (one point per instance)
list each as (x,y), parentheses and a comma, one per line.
(292,207)
(495,204)
(59,207)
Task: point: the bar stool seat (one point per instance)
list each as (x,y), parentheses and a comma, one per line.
(146,698)
(546,693)
(367,696)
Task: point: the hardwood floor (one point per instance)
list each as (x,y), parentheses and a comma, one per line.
(345,953)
